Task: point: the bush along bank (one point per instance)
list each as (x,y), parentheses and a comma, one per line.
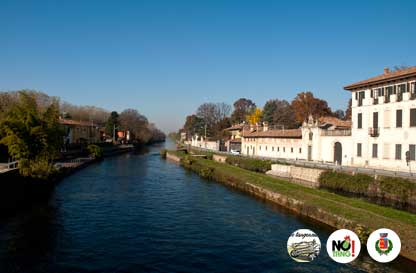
(251,164)
(326,207)
(387,191)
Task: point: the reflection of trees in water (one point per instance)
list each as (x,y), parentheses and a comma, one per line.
(141,149)
(30,240)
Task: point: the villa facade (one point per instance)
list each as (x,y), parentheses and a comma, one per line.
(384,120)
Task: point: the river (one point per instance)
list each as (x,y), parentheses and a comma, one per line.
(140,213)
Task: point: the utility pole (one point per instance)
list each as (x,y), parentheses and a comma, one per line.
(114,133)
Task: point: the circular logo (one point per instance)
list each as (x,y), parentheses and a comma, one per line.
(303,245)
(343,246)
(384,245)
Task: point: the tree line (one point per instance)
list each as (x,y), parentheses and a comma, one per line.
(211,119)
(30,128)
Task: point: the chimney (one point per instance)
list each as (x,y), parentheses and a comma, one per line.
(386,70)
(265,126)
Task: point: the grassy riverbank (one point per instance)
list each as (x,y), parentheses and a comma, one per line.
(330,208)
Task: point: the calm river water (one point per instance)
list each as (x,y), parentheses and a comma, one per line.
(140,213)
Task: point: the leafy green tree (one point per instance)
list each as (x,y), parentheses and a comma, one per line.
(95,151)
(279,113)
(194,125)
(111,123)
(32,135)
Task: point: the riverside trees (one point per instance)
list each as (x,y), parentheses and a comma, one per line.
(32,134)
(31,131)
(276,112)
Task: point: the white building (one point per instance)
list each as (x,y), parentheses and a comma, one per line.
(327,140)
(204,143)
(384,120)
(261,141)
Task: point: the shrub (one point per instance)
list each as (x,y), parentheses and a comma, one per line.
(336,181)
(95,151)
(400,187)
(250,164)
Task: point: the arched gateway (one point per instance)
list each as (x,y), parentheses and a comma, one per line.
(338,153)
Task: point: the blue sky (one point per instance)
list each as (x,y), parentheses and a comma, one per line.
(165,58)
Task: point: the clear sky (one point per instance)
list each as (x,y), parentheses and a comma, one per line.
(165,58)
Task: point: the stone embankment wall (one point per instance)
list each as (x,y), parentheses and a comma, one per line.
(173,157)
(219,158)
(300,175)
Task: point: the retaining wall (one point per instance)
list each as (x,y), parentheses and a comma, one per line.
(300,175)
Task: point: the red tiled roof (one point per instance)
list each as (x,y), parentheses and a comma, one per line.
(75,122)
(289,133)
(390,76)
(335,121)
(236,127)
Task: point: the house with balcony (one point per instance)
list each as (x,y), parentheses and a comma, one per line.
(384,120)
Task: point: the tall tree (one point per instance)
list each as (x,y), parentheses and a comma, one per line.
(138,125)
(348,112)
(268,110)
(211,114)
(242,108)
(305,104)
(194,125)
(279,113)
(112,123)
(32,134)
(284,115)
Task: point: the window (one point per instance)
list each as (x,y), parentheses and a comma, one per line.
(402,88)
(360,120)
(272,149)
(278,149)
(399,118)
(310,135)
(359,149)
(300,150)
(375,152)
(413,117)
(266,147)
(398,155)
(412,150)
(260,148)
(291,150)
(284,149)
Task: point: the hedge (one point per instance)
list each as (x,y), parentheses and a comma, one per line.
(388,191)
(342,182)
(251,164)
